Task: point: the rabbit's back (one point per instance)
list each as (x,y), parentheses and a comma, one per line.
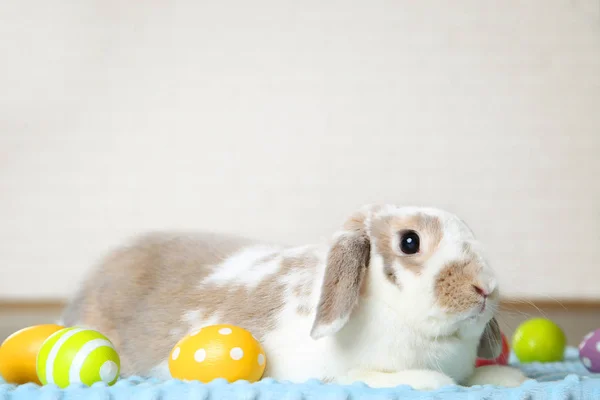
(149,294)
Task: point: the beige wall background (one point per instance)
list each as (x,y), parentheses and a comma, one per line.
(276,118)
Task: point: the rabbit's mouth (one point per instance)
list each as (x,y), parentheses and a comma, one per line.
(480,311)
(483,306)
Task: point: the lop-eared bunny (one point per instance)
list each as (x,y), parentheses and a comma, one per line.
(401,295)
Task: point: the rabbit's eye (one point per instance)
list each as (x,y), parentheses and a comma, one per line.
(409,242)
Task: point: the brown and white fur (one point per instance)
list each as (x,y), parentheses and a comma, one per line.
(354,309)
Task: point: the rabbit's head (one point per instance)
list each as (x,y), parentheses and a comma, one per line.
(424,264)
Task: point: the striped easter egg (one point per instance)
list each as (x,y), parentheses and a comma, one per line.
(77,355)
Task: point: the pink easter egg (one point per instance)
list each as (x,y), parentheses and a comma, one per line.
(589,351)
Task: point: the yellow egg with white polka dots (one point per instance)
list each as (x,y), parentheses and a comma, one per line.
(218,351)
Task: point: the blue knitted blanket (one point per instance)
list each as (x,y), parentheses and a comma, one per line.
(565,380)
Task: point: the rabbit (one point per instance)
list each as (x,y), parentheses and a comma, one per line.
(398,296)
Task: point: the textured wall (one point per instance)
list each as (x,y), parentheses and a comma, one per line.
(277,118)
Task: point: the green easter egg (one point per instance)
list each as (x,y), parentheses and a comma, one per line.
(539,339)
(77,355)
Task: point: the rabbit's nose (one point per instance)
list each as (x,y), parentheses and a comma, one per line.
(481,291)
(484,288)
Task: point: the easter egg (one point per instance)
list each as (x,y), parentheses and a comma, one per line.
(19,351)
(502,359)
(77,355)
(589,351)
(539,339)
(218,351)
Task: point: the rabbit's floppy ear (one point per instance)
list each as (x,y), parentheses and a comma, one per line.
(490,343)
(347,263)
